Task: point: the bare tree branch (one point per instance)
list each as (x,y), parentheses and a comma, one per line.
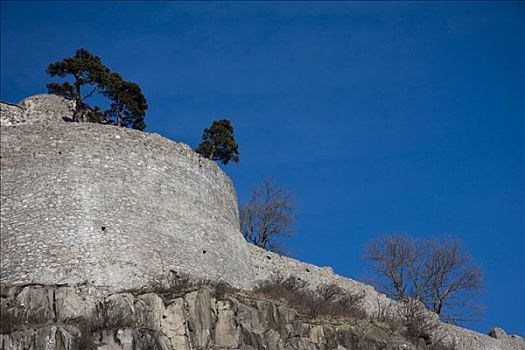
(437,273)
(268,213)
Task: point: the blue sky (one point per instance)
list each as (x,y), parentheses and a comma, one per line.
(380,117)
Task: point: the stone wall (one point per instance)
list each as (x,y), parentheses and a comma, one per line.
(88,203)
(268,265)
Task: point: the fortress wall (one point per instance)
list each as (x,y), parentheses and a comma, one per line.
(464,338)
(267,265)
(120,209)
(113,207)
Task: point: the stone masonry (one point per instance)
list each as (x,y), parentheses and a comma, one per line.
(86,203)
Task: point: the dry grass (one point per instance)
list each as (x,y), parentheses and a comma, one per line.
(177,285)
(413,319)
(325,301)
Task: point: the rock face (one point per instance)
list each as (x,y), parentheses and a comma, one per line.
(37,109)
(83,318)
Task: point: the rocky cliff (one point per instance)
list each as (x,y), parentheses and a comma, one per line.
(54,317)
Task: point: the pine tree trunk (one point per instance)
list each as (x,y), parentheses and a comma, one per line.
(78,101)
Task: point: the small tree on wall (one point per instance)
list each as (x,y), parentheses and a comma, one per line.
(219,143)
(128,106)
(87,71)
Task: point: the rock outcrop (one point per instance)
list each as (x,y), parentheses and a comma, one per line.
(46,317)
(37,109)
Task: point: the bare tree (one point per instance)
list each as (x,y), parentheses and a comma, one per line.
(452,279)
(397,265)
(437,273)
(268,214)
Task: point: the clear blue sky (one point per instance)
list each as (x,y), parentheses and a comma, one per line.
(380,117)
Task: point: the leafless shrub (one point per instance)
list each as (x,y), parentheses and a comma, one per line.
(176,285)
(411,317)
(329,300)
(388,313)
(334,300)
(418,321)
(102,318)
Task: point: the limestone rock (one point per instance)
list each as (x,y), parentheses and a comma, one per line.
(120,306)
(45,338)
(37,303)
(153,310)
(497,333)
(56,318)
(227,331)
(200,317)
(37,109)
(69,305)
(174,325)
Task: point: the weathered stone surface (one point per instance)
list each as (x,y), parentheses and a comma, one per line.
(121,339)
(36,303)
(227,331)
(197,320)
(498,333)
(174,325)
(111,207)
(69,305)
(201,317)
(44,338)
(131,339)
(466,339)
(122,307)
(37,109)
(153,310)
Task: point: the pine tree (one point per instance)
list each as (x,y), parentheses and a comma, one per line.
(127,103)
(218,142)
(128,106)
(87,71)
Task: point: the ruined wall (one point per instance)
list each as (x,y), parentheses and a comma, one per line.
(267,265)
(110,206)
